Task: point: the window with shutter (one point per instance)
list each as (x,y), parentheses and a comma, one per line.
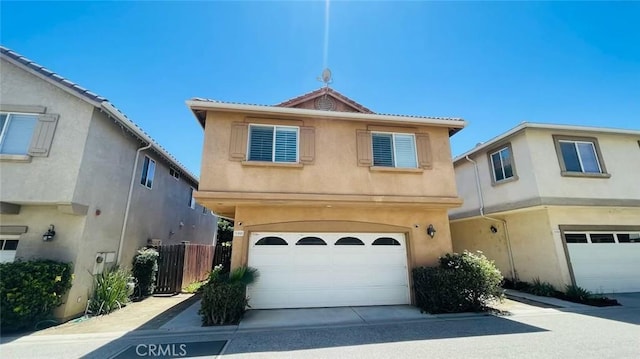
(273,143)
(394,150)
(16,132)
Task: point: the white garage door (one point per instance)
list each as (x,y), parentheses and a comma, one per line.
(605,262)
(299,270)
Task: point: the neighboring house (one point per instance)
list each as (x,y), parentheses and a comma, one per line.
(332,203)
(70,160)
(562,205)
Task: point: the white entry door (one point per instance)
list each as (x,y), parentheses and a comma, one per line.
(301,270)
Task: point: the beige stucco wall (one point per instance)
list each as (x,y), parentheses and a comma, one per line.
(525,187)
(334,171)
(620,156)
(423,250)
(57,173)
(537,251)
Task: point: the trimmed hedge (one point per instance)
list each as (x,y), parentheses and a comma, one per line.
(145,267)
(224,299)
(461,283)
(30,291)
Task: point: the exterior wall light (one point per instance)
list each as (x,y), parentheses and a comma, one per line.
(431,231)
(49,234)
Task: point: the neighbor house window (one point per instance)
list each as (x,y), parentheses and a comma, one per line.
(502,164)
(273,143)
(192,201)
(394,150)
(175,174)
(579,155)
(16,132)
(148,170)
(8,248)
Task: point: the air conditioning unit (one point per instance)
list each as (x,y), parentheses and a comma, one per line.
(154,242)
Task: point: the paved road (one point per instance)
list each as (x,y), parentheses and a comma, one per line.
(546,333)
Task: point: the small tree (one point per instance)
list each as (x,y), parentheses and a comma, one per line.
(145,267)
(225,231)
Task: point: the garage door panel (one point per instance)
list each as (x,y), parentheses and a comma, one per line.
(606,268)
(332,275)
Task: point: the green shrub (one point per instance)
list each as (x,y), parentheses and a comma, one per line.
(544,289)
(30,291)
(577,294)
(462,283)
(145,267)
(194,287)
(225,231)
(224,299)
(110,291)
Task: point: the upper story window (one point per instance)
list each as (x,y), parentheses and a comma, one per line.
(502,164)
(16,133)
(174,173)
(192,201)
(579,156)
(273,143)
(394,150)
(148,171)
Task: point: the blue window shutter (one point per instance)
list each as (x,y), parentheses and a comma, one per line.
(261,143)
(405,151)
(382,149)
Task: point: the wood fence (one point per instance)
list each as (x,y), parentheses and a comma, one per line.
(182,264)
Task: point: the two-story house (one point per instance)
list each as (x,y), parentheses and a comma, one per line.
(333,204)
(81,183)
(554,202)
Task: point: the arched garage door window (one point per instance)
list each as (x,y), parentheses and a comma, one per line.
(349,241)
(311,241)
(271,241)
(385,241)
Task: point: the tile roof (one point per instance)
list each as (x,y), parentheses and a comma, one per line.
(101,102)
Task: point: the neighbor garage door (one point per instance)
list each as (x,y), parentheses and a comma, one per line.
(300,270)
(605,262)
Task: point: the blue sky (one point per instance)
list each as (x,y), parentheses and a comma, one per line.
(494,64)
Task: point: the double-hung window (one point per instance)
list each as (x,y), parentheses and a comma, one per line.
(502,164)
(148,171)
(273,143)
(16,132)
(394,150)
(580,156)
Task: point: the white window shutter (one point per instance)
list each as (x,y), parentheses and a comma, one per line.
(43,135)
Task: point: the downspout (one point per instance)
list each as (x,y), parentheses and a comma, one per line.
(126,211)
(504,222)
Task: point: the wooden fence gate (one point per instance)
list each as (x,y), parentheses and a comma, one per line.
(182,264)
(222,256)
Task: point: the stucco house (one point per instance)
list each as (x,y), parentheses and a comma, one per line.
(72,164)
(333,204)
(554,202)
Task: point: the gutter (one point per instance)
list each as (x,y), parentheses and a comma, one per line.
(126,211)
(504,222)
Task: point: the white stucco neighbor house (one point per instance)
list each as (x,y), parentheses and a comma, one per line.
(554,202)
(72,164)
